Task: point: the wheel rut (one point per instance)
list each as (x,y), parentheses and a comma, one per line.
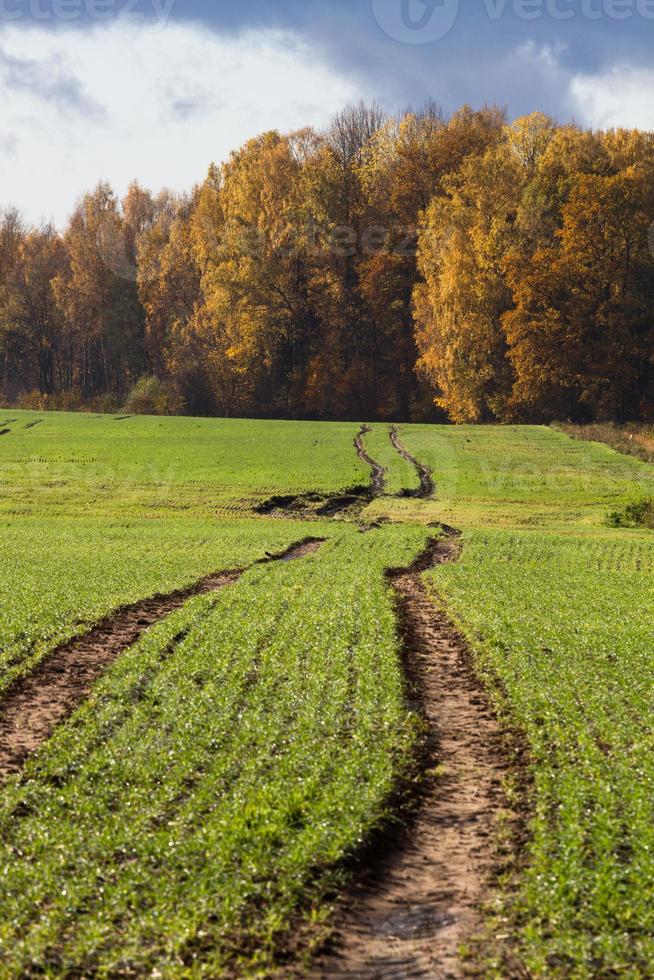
(34,705)
(427,485)
(421,895)
(378,472)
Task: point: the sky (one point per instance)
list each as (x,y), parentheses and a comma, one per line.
(158,89)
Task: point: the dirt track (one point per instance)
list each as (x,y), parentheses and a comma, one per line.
(378,472)
(427,485)
(420,899)
(33,706)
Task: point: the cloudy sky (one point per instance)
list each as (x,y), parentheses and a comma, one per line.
(157,89)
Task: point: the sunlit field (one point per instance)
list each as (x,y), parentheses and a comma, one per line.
(193,815)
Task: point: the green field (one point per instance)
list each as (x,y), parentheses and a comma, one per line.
(566,623)
(252,752)
(64,463)
(128,508)
(524,476)
(195,809)
(560,610)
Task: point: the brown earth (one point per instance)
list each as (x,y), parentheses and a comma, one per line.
(308,506)
(427,485)
(422,895)
(38,702)
(378,472)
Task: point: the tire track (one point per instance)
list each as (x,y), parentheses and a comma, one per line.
(420,898)
(378,471)
(427,485)
(34,705)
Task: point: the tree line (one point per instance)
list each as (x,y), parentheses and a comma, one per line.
(412,267)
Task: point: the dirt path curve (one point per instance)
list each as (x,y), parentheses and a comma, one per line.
(427,485)
(378,471)
(420,899)
(35,704)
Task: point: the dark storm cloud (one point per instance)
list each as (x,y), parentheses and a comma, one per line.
(521,53)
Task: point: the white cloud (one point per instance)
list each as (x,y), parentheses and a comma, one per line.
(122,101)
(619,97)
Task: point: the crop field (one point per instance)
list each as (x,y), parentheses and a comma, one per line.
(511,475)
(191,816)
(254,749)
(95,566)
(93,517)
(56,462)
(566,624)
(560,610)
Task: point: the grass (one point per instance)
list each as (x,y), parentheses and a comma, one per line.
(507,476)
(566,623)
(218,771)
(200,799)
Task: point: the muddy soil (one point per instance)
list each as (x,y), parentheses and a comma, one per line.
(378,472)
(306,506)
(35,704)
(427,485)
(420,897)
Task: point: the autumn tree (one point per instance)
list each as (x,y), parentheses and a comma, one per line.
(38,318)
(12,234)
(98,297)
(168,279)
(537,298)
(388,267)
(32,329)
(581,332)
(252,248)
(405,169)
(459,305)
